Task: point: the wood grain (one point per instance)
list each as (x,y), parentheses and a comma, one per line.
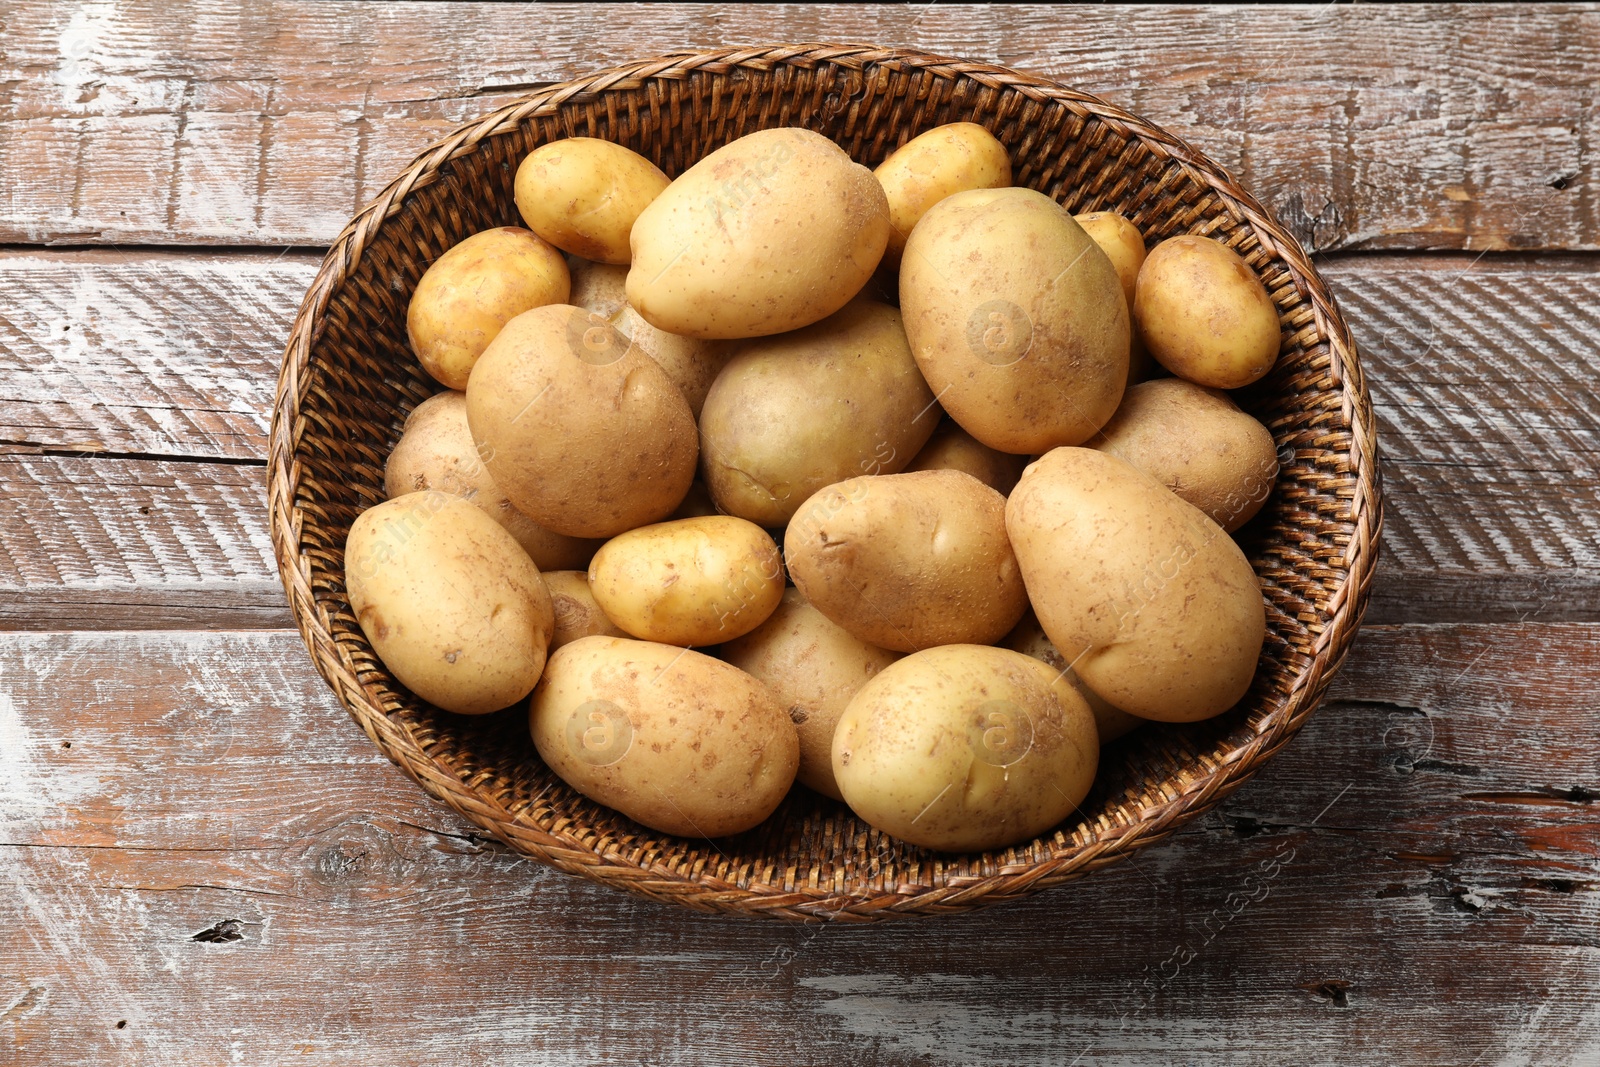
(199,845)
(1481,370)
(1415,126)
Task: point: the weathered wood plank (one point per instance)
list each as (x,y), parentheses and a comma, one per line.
(1417,126)
(218,831)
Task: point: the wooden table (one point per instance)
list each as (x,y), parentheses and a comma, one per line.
(205,862)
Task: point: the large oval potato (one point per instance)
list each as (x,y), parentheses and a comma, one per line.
(692,364)
(814,667)
(468,294)
(1016,318)
(452,605)
(952,448)
(698,581)
(1204,315)
(933,165)
(770,233)
(584,432)
(1029,638)
(965,747)
(436,451)
(791,414)
(1152,603)
(577,613)
(583,195)
(1197,443)
(673,739)
(908,561)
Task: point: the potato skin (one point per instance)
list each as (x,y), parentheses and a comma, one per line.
(697,581)
(598,287)
(468,295)
(582,431)
(791,414)
(583,195)
(435,451)
(931,166)
(770,233)
(1123,244)
(451,604)
(1204,315)
(965,747)
(952,448)
(908,561)
(673,739)
(577,613)
(1152,603)
(692,364)
(1197,443)
(1030,640)
(1016,318)
(814,667)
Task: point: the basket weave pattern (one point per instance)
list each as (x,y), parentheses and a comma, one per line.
(349,379)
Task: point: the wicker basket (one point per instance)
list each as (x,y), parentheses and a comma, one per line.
(349,379)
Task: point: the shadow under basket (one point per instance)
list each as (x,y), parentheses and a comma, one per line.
(349,379)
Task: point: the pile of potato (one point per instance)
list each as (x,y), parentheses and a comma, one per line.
(917,393)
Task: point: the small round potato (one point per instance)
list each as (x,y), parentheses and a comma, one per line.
(770,233)
(814,667)
(673,739)
(435,451)
(1197,443)
(691,363)
(452,606)
(577,613)
(583,195)
(1016,318)
(952,448)
(965,747)
(689,581)
(1204,315)
(791,414)
(1151,602)
(598,287)
(472,291)
(1029,639)
(585,433)
(908,561)
(929,167)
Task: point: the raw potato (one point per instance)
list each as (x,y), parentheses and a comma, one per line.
(691,363)
(1197,443)
(452,606)
(584,432)
(1152,603)
(598,287)
(583,194)
(1016,318)
(908,561)
(952,448)
(791,414)
(695,581)
(673,739)
(771,233)
(1029,639)
(435,451)
(813,667)
(1123,244)
(469,293)
(965,747)
(577,613)
(931,166)
(1204,315)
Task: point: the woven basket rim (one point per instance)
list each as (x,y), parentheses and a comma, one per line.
(565,849)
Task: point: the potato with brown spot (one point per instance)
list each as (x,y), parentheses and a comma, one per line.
(1197,443)
(468,295)
(908,561)
(583,195)
(671,738)
(582,431)
(933,165)
(1152,603)
(814,667)
(451,604)
(965,747)
(577,613)
(1204,315)
(1029,639)
(952,448)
